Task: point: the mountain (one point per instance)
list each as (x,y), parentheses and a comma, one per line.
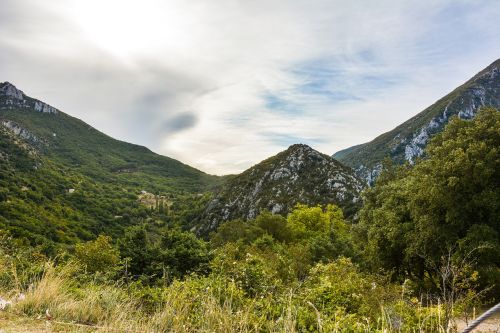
(62,181)
(299,174)
(75,144)
(407,142)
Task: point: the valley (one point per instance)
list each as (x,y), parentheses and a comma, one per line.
(400,234)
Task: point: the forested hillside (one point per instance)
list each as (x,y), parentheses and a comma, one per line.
(72,143)
(62,181)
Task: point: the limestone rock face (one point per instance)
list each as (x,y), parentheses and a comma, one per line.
(16,129)
(12,98)
(9,90)
(42,107)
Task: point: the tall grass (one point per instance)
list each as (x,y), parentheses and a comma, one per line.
(186,306)
(198,304)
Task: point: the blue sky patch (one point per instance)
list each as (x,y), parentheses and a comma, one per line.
(277,103)
(286,140)
(333,81)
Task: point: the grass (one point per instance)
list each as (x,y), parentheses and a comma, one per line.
(192,305)
(108,307)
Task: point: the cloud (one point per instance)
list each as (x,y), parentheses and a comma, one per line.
(222,85)
(180,122)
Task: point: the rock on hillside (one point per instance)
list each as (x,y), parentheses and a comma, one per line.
(11,98)
(299,174)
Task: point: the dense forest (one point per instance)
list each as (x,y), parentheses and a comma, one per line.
(422,252)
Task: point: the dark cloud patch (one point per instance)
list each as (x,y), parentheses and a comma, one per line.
(180,122)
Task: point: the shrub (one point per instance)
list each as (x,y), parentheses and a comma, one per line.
(98,255)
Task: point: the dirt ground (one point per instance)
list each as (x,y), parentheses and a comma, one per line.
(10,323)
(492,325)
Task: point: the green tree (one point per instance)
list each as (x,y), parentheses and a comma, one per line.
(98,255)
(275,225)
(306,221)
(182,253)
(234,231)
(450,199)
(138,252)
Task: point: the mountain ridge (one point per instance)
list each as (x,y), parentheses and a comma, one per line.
(407,141)
(74,143)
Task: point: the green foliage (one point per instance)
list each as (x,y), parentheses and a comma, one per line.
(450,200)
(35,205)
(98,255)
(162,255)
(255,270)
(274,225)
(432,227)
(339,289)
(19,265)
(67,182)
(137,251)
(273,251)
(236,231)
(253,283)
(183,253)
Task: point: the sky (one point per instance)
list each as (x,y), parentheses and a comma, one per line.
(223,84)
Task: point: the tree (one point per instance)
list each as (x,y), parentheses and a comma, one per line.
(98,255)
(138,251)
(233,231)
(182,253)
(306,221)
(273,224)
(449,199)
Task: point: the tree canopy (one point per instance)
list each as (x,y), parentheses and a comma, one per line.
(449,201)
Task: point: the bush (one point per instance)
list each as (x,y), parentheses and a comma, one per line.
(98,255)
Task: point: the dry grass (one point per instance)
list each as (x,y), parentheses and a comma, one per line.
(108,308)
(194,305)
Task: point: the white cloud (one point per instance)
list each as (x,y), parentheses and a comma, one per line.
(202,81)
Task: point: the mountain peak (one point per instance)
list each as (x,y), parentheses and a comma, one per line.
(299,146)
(300,149)
(13,98)
(9,90)
(495,64)
(298,174)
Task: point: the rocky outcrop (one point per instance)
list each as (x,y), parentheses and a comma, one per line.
(45,108)
(300,174)
(12,98)
(17,130)
(9,90)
